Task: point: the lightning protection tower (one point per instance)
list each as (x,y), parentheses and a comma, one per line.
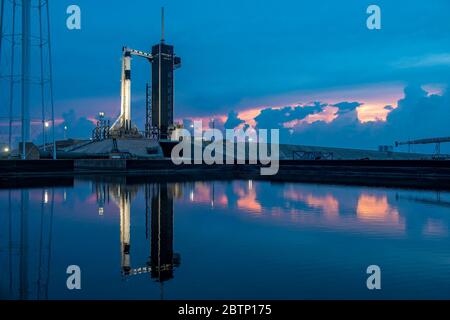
(26,69)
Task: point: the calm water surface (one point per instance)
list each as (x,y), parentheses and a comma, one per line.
(238,239)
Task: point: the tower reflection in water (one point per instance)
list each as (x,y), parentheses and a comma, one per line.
(26,230)
(159,214)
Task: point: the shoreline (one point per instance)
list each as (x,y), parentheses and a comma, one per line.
(417,174)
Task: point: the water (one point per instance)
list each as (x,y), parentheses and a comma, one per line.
(238,239)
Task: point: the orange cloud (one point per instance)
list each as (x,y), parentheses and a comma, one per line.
(247,199)
(372,112)
(328,203)
(371,207)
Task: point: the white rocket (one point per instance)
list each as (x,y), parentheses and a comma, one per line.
(124,120)
(125,110)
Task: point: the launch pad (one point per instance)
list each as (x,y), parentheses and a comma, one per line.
(160,102)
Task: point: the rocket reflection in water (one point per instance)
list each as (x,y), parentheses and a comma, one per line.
(159,205)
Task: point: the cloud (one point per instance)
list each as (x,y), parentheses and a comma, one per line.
(77,127)
(187,123)
(271,118)
(418,114)
(431,60)
(347,106)
(233,120)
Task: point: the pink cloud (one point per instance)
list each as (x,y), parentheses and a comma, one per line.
(375,97)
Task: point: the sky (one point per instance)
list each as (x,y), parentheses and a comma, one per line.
(309,68)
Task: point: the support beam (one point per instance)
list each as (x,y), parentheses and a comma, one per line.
(26,30)
(50,66)
(42,82)
(423,141)
(2,10)
(11,76)
(162,25)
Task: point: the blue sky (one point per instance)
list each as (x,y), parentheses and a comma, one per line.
(247,56)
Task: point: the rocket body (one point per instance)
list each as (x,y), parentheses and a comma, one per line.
(124,206)
(125,114)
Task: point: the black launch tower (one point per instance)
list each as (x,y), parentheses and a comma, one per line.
(164,63)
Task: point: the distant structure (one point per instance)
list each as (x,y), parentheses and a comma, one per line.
(386,148)
(102,129)
(159,103)
(436,141)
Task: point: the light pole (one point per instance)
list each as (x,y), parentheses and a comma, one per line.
(65,132)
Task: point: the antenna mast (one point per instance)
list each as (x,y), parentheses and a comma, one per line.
(162,25)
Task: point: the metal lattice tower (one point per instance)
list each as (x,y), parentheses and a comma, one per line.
(26,66)
(148,110)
